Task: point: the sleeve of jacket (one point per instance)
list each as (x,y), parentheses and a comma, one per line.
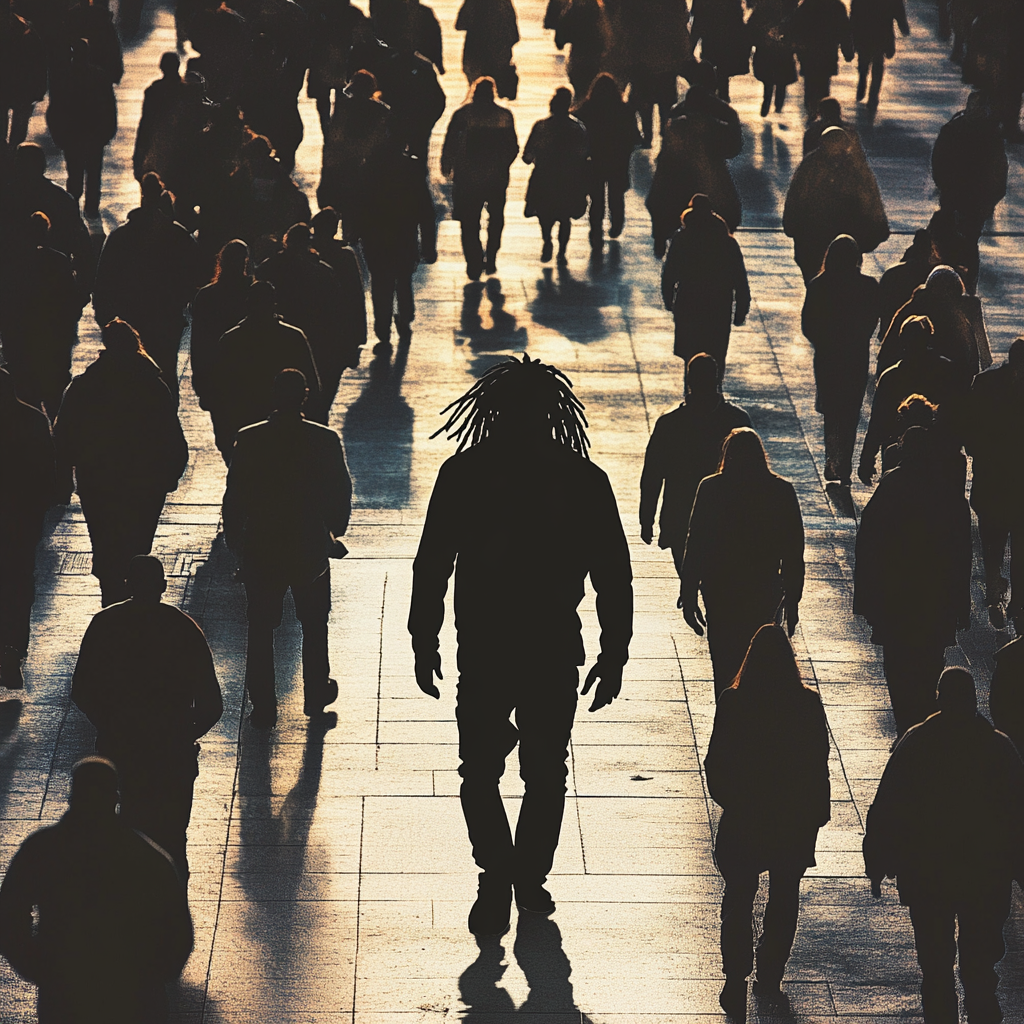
(740,283)
(721,762)
(175,446)
(814,315)
(692,569)
(427,223)
(900,13)
(820,752)
(885,816)
(653,476)
(18,944)
(670,272)
(869,568)
(452,137)
(207,701)
(86,683)
(612,576)
(793,545)
(235,507)
(511,141)
(339,489)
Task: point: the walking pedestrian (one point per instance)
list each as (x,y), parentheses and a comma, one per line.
(492,31)
(819,30)
(871,25)
(774,60)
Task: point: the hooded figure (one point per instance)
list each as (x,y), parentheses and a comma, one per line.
(839,317)
(833,192)
(899,281)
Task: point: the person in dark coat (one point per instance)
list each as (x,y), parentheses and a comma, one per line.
(993,424)
(833,192)
(82,118)
(819,30)
(521,474)
(947,822)
(969,166)
(829,115)
(339,255)
(39,316)
(1006,692)
(148,272)
(217,308)
(146,681)
(897,284)
(245,361)
(92,21)
(767,768)
(409,86)
(724,43)
(557,147)
(952,248)
(28,487)
(22,73)
(491,32)
(339,29)
(93,913)
(398,226)
(839,317)
(744,554)
(912,580)
(410,26)
(774,60)
(685,447)
(921,371)
(118,429)
(586,29)
(310,296)
(611,137)
(287,503)
(871,24)
(478,151)
(704,284)
(950,461)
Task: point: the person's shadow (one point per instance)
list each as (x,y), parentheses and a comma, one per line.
(538,951)
(572,306)
(503,335)
(378,436)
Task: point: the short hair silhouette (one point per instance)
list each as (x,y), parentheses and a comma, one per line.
(1015,357)
(260,298)
(363,85)
(30,160)
(39,228)
(94,786)
(170,62)
(121,338)
(297,236)
(829,109)
(232,259)
(483,89)
(604,89)
(561,101)
(769,669)
(915,446)
(702,374)
(526,395)
(152,187)
(326,221)
(956,692)
(146,576)
(916,332)
(946,282)
(289,390)
(743,453)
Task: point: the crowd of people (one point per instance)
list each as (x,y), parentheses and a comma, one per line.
(224,249)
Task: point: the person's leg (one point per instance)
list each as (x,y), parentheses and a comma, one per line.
(264,602)
(74,161)
(313,609)
(780,97)
(382,290)
(21,114)
(863,67)
(495,226)
(1016,606)
(546,249)
(934,922)
(93,176)
(723,85)
(780,915)
(564,232)
(846,441)
(737,934)
(980,926)
(470,211)
(877,73)
(766,103)
(17,593)
(406,303)
(831,444)
(596,212)
(730,631)
(616,210)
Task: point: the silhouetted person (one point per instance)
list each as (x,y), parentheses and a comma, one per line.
(948,823)
(23,78)
(950,461)
(409,25)
(42,304)
(833,192)
(92,21)
(767,768)
(478,150)
(118,429)
(491,33)
(828,114)
(912,579)
(819,30)
(685,447)
(558,149)
(287,502)
(1006,692)
(744,554)
(148,273)
(724,43)
(339,255)
(921,371)
(871,24)
(338,29)
(897,284)
(839,317)
(28,487)
(82,118)
(146,681)
(994,438)
(416,98)
(774,61)
(704,284)
(93,913)
(521,474)
(611,136)
(586,28)
(244,362)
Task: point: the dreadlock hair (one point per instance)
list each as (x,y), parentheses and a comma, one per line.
(505,392)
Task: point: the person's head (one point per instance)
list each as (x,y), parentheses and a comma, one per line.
(561,102)
(169,64)
(29,162)
(363,85)
(916,335)
(232,261)
(957,697)
(835,142)
(769,669)
(519,402)
(699,210)
(829,111)
(483,90)
(94,789)
(257,155)
(944,283)
(296,238)
(701,376)
(701,74)
(121,339)
(1015,359)
(38,228)
(921,247)
(916,447)
(152,189)
(604,90)
(325,223)
(978,105)
(260,299)
(743,454)
(843,256)
(915,411)
(146,581)
(289,391)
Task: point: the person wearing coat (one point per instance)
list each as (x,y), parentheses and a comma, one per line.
(833,192)
(82,119)
(478,151)
(744,554)
(409,86)
(491,32)
(611,137)
(704,284)
(819,30)
(22,74)
(947,822)
(774,60)
(839,317)
(829,115)
(586,29)
(767,768)
(1006,692)
(287,503)
(118,430)
(897,284)
(557,147)
(724,43)
(912,579)
(871,24)
(685,447)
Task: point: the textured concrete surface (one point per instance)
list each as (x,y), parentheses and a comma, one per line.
(332,874)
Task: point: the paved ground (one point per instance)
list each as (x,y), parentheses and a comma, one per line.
(332,875)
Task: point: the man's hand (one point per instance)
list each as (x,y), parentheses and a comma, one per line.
(792,617)
(647,534)
(692,617)
(876,888)
(428,666)
(866,472)
(739,319)
(430,256)
(608,688)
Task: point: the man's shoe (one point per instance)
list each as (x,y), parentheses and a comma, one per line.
(263,718)
(493,907)
(768,988)
(490,267)
(10,669)
(534,898)
(733,999)
(314,704)
(547,251)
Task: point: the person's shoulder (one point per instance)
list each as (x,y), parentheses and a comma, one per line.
(672,418)
(1012,655)
(734,414)
(252,434)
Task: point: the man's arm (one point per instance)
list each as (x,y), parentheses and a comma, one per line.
(741,285)
(87,681)
(652,478)
(792,556)
(339,489)
(18,945)
(234,509)
(208,704)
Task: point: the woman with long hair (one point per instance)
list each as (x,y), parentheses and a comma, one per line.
(767,768)
(744,554)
